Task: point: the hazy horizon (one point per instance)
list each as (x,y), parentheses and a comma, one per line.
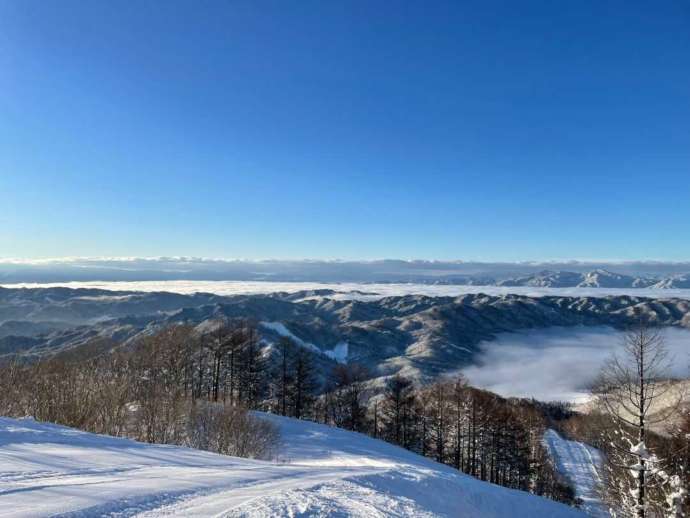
(275,270)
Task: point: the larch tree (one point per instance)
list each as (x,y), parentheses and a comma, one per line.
(630,384)
(397,409)
(283,375)
(303,384)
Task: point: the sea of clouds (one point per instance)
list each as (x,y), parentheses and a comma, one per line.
(350,290)
(551,364)
(558,363)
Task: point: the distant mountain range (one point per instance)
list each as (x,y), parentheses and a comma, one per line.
(594,279)
(419,335)
(598,278)
(562,274)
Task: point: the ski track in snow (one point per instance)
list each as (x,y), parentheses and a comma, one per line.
(581,465)
(50,470)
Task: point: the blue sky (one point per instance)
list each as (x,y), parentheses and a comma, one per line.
(439,130)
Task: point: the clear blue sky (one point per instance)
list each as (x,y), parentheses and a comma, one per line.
(258,129)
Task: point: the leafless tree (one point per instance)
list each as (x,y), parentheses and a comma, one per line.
(629,385)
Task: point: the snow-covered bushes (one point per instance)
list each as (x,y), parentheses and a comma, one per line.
(164,390)
(231,430)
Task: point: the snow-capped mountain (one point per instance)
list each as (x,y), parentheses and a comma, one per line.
(676,282)
(335,271)
(545,278)
(594,279)
(607,279)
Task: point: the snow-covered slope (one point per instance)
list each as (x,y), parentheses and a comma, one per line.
(581,465)
(48,470)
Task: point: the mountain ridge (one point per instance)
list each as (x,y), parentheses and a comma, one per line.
(384,270)
(417,335)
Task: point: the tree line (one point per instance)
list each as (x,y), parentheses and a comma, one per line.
(475,431)
(193,387)
(174,387)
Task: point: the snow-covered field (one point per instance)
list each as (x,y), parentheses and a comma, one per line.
(353,290)
(581,465)
(49,470)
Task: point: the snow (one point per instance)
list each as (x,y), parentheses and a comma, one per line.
(48,470)
(640,449)
(676,496)
(338,353)
(105,298)
(280,328)
(581,465)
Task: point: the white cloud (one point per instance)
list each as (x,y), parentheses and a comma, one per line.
(350,290)
(557,363)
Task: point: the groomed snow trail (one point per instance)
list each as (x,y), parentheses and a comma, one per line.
(50,470)
(581,465)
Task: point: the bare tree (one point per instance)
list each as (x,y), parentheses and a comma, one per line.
(219,342)
(629,384)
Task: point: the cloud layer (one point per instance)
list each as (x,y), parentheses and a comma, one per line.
(350,290)
(557,363)
(390,270)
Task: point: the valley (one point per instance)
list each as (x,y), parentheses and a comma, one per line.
(547,347)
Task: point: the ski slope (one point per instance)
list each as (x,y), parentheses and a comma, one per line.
(581,465)
(49,470)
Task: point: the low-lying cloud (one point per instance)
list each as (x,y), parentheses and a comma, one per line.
(348,290)
(558,364)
